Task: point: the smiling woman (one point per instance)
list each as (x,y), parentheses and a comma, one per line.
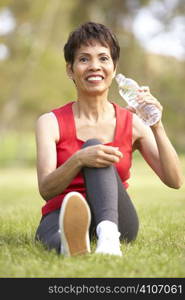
(93,69)
(84,153)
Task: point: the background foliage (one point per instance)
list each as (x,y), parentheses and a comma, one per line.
(33,78)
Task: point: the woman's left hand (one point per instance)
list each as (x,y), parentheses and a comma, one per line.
(144,98)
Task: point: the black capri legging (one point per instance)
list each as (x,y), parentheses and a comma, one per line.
(107,199)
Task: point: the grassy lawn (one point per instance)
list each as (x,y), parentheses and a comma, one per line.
(159,250)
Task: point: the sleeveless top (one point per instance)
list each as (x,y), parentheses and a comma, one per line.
(68,144)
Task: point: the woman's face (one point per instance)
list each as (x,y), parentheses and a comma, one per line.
(93,69)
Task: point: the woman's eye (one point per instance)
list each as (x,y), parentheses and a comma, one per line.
(83,59)
(104,58)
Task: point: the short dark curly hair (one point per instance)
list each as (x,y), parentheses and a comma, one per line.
(85,35)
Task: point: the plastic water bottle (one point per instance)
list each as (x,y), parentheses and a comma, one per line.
(150,114)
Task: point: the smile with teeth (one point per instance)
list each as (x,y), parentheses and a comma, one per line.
(94,78)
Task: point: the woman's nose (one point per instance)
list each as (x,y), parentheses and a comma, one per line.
(95,65)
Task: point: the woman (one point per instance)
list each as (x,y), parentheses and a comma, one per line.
(84,152)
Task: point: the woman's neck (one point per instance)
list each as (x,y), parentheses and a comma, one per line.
(92,108)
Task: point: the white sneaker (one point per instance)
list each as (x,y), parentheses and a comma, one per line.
(74,222)
(107,245)
(108,239)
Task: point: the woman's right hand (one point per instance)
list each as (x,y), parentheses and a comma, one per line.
(98,156)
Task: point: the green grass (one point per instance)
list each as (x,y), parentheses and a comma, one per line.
(159,250)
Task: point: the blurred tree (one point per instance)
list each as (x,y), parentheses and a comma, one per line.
(32,52)
(39,44)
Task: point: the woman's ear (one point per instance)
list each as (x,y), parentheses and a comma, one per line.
(69,71)
(114,73)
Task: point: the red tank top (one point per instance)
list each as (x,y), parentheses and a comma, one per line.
(69,144)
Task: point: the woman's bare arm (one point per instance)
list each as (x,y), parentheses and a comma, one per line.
(159,153)
(51,180)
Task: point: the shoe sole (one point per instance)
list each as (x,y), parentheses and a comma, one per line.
(74,222)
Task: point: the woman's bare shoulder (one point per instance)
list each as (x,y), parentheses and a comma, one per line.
(47,123)
(47,117)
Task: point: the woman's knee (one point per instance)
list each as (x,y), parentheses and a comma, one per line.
(91,142)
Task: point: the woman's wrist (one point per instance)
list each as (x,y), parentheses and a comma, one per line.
(78,158)
(157,125)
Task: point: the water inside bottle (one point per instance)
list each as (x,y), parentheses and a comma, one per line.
(128,91)
(129,95)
